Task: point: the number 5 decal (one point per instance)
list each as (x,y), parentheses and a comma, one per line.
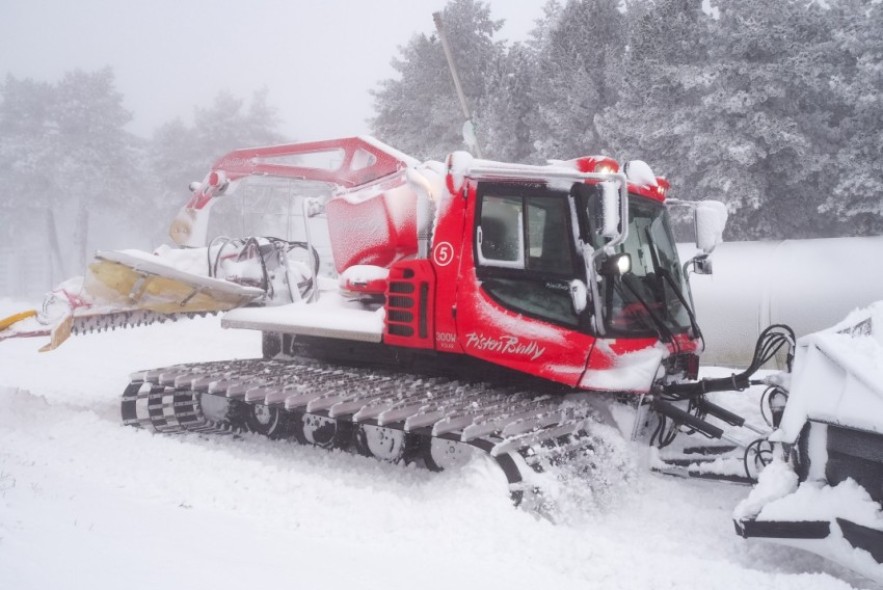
(443,253)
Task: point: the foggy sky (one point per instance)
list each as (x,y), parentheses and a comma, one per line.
(317,59)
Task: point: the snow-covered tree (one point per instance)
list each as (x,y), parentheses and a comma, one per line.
(418,111)
(97,153)
(769,124)
(508,113)
(580,52)
(750,108)
(665,73)
(65,154)
(774,108)
(857,195)
(180,153)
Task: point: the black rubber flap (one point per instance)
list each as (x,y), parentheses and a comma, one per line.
(783,529)
(862,537)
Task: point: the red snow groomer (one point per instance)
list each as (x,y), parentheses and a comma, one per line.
(475,306)
(566,272)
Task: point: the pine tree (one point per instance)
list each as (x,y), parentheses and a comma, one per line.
(179,154)
(857,196)
(419,112)
(65,155)
(580,53)
(747,114)
(666,74)
(96,154)
(774,105)
(509,111)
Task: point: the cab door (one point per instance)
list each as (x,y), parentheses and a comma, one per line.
(517,310)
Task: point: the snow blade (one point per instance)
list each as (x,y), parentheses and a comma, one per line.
(826,487)
(140,280)
(816,535)
(127,289)
(783,529)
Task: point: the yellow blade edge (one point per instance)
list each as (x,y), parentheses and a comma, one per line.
(60,333)
(7,322)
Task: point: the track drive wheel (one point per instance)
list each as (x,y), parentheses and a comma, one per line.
(440,454)
(220,413)
(269,421)
(385,444)
(319,431)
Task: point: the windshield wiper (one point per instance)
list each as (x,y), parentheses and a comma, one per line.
(662,270)
(663,331)
(680,295)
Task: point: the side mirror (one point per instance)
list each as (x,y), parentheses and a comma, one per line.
(710,218)
(604,207)
(702,265)
(611,206)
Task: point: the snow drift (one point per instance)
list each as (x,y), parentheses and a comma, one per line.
(85,502)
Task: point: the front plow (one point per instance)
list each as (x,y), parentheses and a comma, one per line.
(121,289)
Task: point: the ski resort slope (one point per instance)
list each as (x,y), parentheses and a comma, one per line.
(88,503)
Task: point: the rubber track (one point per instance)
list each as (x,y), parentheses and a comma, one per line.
(522,431)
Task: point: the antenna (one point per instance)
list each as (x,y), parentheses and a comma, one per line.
(468,128)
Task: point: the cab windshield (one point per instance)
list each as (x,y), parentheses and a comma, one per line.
(650,298)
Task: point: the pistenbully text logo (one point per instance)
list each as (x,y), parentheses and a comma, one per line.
(505,345)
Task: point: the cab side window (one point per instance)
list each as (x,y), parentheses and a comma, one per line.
(501,232)
(507,238)
(549,249)
(524,251)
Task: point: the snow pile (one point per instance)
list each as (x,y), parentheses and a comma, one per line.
(776,499)
(633,371)
(640,173)
(774,483)
(820,502)
(111,505)
(597,482)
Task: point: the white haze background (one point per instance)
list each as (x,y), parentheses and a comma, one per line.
(87,503)
(317,60)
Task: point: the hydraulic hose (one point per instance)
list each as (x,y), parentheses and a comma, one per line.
(771,340)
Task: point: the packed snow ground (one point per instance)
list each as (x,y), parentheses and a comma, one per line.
(88,503)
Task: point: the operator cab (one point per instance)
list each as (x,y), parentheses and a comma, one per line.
(529,258)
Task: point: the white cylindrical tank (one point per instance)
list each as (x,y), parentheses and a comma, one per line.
(807,284)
